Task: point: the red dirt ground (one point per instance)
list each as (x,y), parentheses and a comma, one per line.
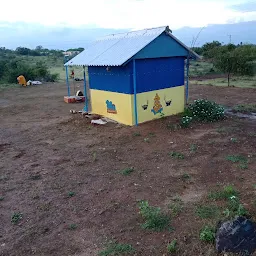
(46,153)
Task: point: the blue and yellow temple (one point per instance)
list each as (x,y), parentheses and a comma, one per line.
(136,76)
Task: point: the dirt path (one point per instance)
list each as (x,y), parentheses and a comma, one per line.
(46,153)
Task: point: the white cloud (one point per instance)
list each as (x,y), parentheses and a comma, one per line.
(134,14)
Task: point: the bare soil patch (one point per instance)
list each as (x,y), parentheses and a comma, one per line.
(46,153)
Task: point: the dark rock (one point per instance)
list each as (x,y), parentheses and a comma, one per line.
(237,236)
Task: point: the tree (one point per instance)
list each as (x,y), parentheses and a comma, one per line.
(208,49)
(39,48)
(235,61)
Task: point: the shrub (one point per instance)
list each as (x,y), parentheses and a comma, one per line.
(206,111)
(154,219)
(207,234)
(16,217)
(186,121)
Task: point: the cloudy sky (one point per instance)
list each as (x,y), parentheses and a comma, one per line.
(74,23)
(127,14)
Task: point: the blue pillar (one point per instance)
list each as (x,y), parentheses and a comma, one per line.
(187,81)
(135,94)
(67,80)
(85,93)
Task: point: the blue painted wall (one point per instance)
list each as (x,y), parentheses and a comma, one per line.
(162,46)
(151,74)
(161,73)
(118,79)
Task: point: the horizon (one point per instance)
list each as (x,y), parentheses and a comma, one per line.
(90,20)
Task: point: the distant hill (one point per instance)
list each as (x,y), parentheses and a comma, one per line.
(27,35)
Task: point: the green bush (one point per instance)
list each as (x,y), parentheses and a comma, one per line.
(206,111)
(10,70)
(186,121)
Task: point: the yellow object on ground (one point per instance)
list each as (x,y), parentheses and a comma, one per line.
(21,80)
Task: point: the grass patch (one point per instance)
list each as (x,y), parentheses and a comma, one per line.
(185,177)
(207,234)
(172,247)
(208,211)
(16,217)
(71,194)
(36,177)
(225,193)
(245,108)
(242,160)
(72,226)
(234,140)
(1,198)
(176,207)
(235,208)
(176,155)
(136,134)
(114,249)
(94,156)
(127,171)
(154,218)
(193,148)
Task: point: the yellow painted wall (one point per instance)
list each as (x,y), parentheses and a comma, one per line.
(175,94)
(123,103)
(125,108)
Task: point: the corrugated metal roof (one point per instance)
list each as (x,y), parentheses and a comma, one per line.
(115,50)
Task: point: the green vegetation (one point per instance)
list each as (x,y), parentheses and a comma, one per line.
(127,171)
(202,110)
(16,217)
(72,226)
(176,207)
(206,111)
(208,211)
(186,177)
(207,234)
(115,249)
(154,218)
(242,160)
(172,247)
(94,156)
(245,108)
(234,140)
(136,134)
(225,193)
(176,155)
(1,198)
(186,121)
(71,194)
(193,148)
(236,81)
(235,208)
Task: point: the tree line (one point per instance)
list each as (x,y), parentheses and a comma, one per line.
(230,59)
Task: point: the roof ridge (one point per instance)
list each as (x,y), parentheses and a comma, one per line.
(131,32)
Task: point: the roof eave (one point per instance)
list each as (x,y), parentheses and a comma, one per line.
(191,54)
